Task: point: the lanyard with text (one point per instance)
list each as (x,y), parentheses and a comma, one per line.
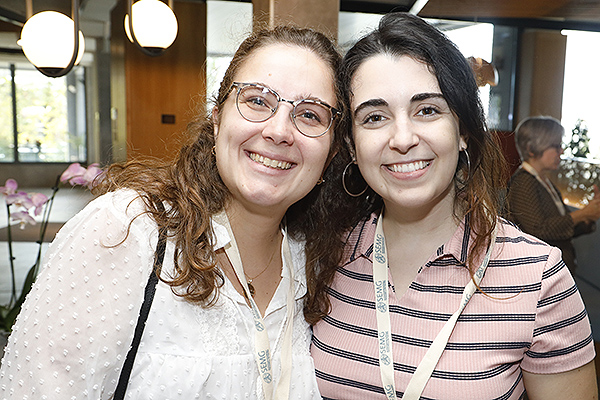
(262,348)
(386,359)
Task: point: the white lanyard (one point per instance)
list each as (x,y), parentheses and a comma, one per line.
(547,185)
(386,358)
(262,349)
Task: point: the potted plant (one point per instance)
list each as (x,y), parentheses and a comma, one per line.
(19,207)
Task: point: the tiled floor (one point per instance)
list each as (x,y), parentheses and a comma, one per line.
(67,203)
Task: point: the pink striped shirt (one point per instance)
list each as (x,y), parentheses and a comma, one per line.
(531,319)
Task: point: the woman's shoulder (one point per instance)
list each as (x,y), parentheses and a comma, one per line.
(521,244)
(520,177)
(122,210)
(125,203)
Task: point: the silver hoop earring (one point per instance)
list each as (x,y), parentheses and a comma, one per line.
(468,163)
(344,174)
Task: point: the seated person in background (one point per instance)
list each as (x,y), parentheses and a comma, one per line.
(533,202)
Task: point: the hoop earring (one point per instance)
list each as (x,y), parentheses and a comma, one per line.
(468,163)
(353,162)
(213,150)
(320,181)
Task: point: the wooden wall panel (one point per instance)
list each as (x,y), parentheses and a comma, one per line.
(321,15)
(541,73)
(569,9)
(161,94)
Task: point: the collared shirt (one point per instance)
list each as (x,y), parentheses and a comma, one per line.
(529,317)
(77,324)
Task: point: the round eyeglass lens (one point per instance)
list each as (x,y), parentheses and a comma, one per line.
(256,103)
(312,118)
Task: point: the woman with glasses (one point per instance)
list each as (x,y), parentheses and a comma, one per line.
(436,297)
(533,202)
(237,209)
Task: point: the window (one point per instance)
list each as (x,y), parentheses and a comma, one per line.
(43,118)
(473,40)
(580,89)
(228,25)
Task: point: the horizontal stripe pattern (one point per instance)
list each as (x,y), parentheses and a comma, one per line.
(527,316)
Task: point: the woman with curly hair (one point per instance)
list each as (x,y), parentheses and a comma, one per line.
(435,295)
(235,211)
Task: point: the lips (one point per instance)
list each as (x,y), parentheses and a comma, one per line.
(267,162)
(409,167)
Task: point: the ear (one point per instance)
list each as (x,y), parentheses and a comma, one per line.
(462,144)
(214,116)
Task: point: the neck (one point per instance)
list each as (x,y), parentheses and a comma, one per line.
(538,168)
(258,237)
(259,241)
(250,228)
(420,229)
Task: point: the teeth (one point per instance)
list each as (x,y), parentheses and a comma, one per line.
(270,163)
(410,167)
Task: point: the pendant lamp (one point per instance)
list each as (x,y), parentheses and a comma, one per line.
(152,27)
(52,41)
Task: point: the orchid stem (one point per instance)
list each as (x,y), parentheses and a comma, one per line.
(11,258)
(44,224)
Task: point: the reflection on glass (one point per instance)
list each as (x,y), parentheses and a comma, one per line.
(41,117)
(50,116)
(6,127)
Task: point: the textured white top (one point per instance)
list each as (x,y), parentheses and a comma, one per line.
(72,337)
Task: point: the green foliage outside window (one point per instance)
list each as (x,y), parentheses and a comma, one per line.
(42,118)
(6,126)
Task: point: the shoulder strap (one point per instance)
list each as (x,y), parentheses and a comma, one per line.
(159,256)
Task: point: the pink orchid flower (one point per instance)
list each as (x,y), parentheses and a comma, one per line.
(10,187)
(38,200)
(73,170)
(75,174)
(20,199)
(23,218)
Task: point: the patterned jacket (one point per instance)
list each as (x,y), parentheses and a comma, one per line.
(530,206)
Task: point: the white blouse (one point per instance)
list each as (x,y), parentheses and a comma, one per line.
(76,326)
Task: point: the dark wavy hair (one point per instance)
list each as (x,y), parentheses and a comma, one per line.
(193,188)
(477,188)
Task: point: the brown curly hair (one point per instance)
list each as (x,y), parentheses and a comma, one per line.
(477,184)
(192,187)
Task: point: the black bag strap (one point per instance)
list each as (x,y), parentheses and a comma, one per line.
(149,291)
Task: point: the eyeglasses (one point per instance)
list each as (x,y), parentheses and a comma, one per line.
(557,147)
(257,103)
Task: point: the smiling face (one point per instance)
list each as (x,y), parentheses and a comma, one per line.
(406,136)
(268,166)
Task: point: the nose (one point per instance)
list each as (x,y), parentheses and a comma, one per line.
(280,128)
(403,135)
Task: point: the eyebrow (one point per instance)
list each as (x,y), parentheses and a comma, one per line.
(370,103)
(298,98)
(381,102)
(425,96)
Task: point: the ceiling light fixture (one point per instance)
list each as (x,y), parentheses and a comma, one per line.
(152,27)
(52,42)
(417,6)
